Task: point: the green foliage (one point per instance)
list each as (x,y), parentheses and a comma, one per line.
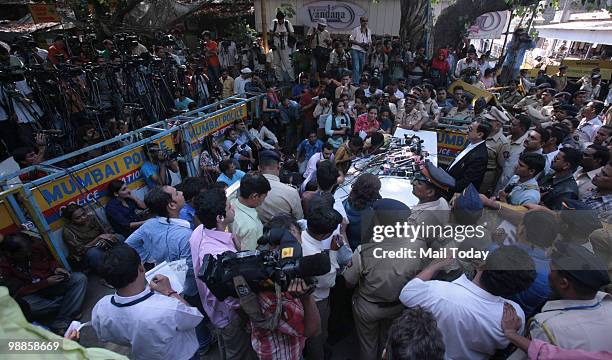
(287,9)
(241,30)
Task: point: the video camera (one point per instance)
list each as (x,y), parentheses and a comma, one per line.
(167,155)
(262,269)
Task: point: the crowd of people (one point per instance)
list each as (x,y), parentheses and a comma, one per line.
(535,173)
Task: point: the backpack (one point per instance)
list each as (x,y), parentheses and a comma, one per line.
(291,40)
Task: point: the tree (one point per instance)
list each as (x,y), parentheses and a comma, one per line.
(413,21)
(454,20)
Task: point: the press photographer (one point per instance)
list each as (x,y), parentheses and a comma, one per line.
(158,165)
(270,282)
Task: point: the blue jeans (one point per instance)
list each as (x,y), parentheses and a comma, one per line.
(94,257)
(68,304)
(358,58)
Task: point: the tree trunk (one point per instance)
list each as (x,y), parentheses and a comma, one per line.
(413,22)
(453,21)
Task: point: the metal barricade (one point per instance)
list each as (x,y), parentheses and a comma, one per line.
(86,183)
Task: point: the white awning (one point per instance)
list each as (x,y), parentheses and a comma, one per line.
(596,32)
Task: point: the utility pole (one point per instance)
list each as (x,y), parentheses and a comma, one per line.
(264,23)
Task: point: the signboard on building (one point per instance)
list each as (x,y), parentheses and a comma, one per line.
(489,26)
(340,15)
(42,13)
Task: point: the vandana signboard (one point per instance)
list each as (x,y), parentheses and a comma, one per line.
(340,15)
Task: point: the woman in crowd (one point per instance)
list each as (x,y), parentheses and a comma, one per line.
(367,122)
(488,79)
(386,120)
(210,158)
(439,69)
(365,191)
(337,125)
(85,237)
(121,208)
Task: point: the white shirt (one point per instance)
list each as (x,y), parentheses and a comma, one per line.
(462,64)
(263,134)
(159,327)
(464,152)
(360,37)
(282,29)
(311,246)
(227,55)
(588,128)
(549,159)
(468,317)
(311,166)
(399,94)
(369,94)
(239,84)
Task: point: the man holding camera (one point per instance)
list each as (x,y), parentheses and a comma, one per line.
(156,169)
(281,32)
(320,42)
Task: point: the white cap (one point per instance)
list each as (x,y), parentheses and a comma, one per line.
(322,21)
(246,70)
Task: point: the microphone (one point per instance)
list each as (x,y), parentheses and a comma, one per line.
(314,265)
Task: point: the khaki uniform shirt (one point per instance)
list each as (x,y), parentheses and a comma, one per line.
(454,113)
(496,146)
(431,108)
(561,82)
(574,324)
(433,212)
(410,118)
(584,181)
(281,199)
(528,100)
(381,279)
(511,156)
(509,99)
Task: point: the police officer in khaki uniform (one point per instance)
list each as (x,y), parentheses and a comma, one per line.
(429,186)
(380,278)
(412,115)
(531,99)
(581,317)
(497,144)
(282,198)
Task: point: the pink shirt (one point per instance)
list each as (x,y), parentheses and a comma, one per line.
(364,124)
(541,350)
(202,242)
